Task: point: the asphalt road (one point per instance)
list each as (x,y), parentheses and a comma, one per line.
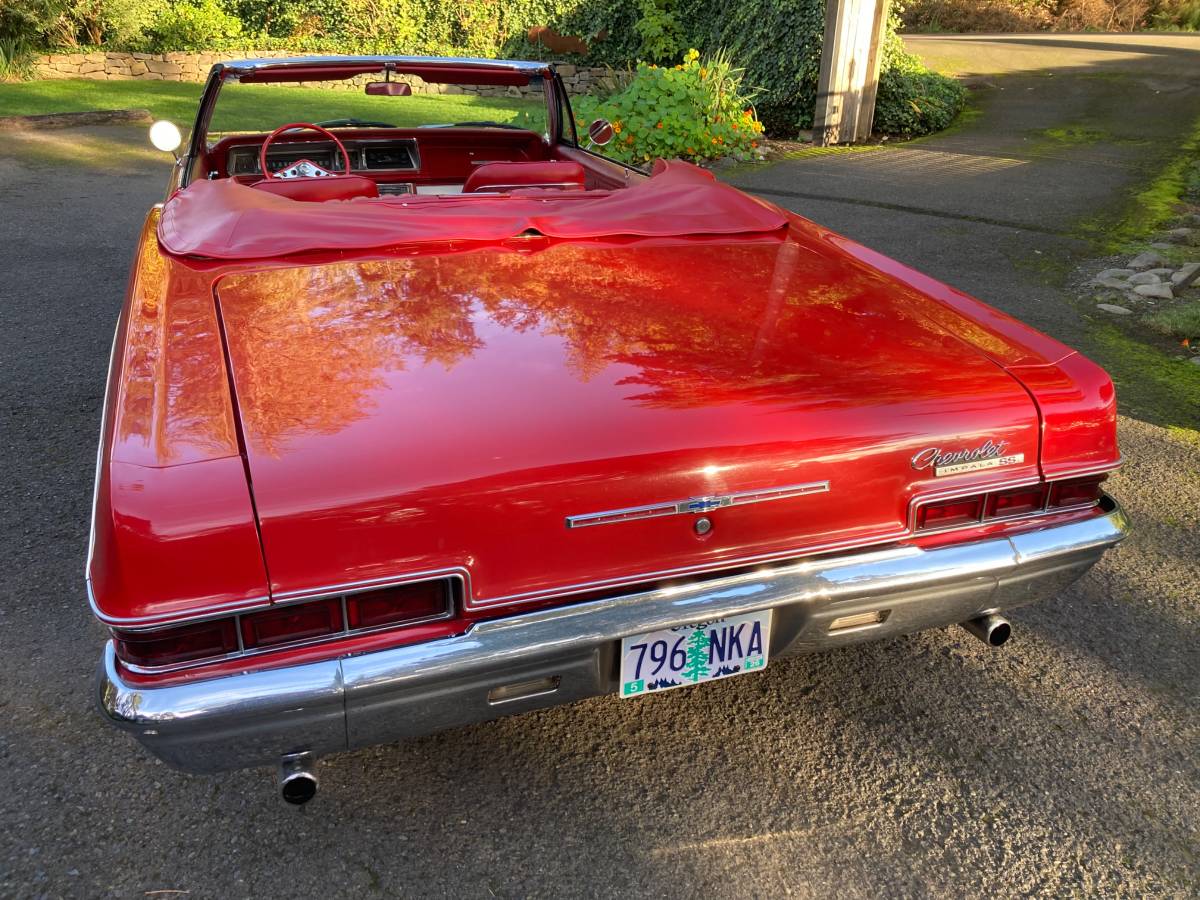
(1064,764)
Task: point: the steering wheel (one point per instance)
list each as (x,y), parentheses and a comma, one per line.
(304,168)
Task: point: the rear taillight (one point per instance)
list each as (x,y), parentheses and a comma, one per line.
(176,646)
(286,626)
(291,624)
(946,513)
(406,603)
(1076,491)
(1018,502)
(1010,503)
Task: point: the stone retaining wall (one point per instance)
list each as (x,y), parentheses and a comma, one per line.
(194,67)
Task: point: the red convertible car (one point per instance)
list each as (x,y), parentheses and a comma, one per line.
(412,427)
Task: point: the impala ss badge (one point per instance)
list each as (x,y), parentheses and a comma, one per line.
(988,455)
(695,505)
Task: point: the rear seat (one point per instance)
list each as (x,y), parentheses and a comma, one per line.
(505,176)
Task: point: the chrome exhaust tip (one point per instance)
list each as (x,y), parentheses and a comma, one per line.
(992,630)
(297,780)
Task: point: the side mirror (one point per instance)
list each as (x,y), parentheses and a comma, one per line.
(165,136)
(600,132)
(389,89)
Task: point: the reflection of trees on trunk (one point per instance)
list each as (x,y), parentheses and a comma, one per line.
(683,322)
(173,405)
(310,344)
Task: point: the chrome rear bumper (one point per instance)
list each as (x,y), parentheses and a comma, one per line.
(568,653)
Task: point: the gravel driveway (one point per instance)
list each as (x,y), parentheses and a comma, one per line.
(1064,764)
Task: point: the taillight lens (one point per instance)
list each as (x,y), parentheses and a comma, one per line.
(1076,491)
(945,513)
(173,646)
(404,603)
(1017,502)
(289,624)
(283,626)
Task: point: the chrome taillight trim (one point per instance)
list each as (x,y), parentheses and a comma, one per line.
(454,598)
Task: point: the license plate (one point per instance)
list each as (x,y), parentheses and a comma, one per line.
(691,654)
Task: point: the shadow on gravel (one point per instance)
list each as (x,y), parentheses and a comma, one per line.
(109,149)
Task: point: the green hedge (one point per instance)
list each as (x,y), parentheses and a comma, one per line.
(776,42)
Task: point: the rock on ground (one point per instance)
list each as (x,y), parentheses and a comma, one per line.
(1114,309)
(1156,291)
(1147,260)
(1186,275)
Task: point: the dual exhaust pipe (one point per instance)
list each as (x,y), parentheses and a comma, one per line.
(298,778)
(993,630)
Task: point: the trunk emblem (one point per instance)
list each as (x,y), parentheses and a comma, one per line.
(695,505)
(988,455)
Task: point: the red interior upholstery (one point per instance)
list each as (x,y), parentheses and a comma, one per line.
(500,176)
(317,190)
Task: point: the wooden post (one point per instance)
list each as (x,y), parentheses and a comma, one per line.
(849,76)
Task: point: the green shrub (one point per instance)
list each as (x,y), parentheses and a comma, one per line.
(14,58)
(125,23)
(662,38)
(24,23)
(696,110)
(193,25)
(1183,15)
(913,101)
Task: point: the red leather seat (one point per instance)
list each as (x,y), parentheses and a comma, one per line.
(318,190)
(504,176)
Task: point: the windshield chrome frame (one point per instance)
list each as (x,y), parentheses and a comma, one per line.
(227,71)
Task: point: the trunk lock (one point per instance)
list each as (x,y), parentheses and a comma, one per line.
(703,525)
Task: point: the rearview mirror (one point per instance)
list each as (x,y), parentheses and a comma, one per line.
(600,132)
(165,136)
(389,89)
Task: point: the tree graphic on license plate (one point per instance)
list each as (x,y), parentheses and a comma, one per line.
(697,655)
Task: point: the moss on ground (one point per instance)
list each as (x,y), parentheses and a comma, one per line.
(1076,134)
(1151,384)
(1151,208)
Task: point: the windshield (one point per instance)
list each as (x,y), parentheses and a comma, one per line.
(260,108)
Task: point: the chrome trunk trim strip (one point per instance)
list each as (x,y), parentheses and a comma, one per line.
(695,505)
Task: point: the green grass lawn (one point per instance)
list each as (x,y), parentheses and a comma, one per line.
(256,107)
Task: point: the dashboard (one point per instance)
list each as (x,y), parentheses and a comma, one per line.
(366,155)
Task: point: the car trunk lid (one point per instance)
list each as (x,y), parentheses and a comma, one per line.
(455,412)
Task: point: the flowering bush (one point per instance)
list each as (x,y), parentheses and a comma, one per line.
(696,110)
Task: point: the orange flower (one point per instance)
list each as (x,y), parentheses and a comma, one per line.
(617,127)
(714,140)
(703,72)
(754,143)
(659,125)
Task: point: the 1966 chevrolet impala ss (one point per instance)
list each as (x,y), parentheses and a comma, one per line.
(408,428)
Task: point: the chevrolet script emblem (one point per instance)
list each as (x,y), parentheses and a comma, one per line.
(695,505)
(988,455)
